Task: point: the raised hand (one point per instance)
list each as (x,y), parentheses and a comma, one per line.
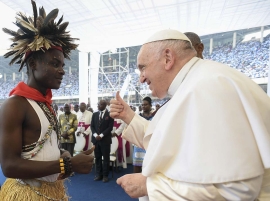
(119,109)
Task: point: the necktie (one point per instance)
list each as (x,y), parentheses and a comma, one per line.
(100,118)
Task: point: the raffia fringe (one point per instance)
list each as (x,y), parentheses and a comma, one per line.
(13,190)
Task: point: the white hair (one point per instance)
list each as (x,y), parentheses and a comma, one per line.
(182,48)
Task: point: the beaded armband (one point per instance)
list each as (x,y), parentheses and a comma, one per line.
(62,165)
(68,166)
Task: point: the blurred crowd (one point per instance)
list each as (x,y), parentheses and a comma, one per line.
(250,58)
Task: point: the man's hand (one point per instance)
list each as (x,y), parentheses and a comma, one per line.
(65,135)
(98,138)
(133,184)
(119,109)
(78,133)
(114,135)
(83,162)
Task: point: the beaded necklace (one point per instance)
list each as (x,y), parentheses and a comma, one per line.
(54,125)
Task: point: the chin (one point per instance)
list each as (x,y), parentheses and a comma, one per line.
(158,95)
(55,86)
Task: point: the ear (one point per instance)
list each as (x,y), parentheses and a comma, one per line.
(170,58)
(31,64)
(200,48)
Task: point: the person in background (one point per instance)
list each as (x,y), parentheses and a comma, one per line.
(90,109)
(189,124)
(68,125)
(123,150)
(76,109)
(57,111)
(157,107)
(196,43)
(84,122)
(101,126)
(138,153)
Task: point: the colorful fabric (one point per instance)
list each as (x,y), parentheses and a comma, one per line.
(147,118)
(24,90)
(138,156)
(68,123)
(13,190)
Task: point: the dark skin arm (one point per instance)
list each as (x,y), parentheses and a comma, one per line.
(20,125)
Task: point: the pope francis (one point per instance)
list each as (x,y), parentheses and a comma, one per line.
(211,141)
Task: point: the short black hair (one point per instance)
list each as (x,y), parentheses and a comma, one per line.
(193,37)
(37,56)
(148,99)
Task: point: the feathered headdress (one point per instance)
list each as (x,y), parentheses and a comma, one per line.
(38,33)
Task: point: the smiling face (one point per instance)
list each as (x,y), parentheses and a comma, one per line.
(152,70)
(46,70)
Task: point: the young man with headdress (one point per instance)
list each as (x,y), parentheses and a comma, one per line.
(29,131)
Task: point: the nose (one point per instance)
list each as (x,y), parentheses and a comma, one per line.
(61,71)
(142,78)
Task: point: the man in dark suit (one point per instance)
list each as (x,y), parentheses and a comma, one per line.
(101,126)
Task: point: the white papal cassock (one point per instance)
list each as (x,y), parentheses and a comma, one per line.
(211,141)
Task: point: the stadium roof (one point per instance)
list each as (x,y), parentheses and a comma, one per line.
(108,24)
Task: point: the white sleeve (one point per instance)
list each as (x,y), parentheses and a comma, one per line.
(160,187)
(135,131)
(87,131)
(120,128)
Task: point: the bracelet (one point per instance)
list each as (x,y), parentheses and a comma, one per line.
(61,161)
(68,165)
